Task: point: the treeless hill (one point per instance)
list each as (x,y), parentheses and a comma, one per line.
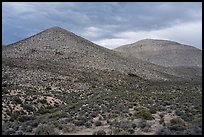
(63,49)
(175,58)
(163,52)
(57,83)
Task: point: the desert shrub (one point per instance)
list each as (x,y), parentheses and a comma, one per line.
(4,85)
(33,50)
(197,121)
(161,121)
(143,113)
(60,127)
(153,110)
(9,131)
(175,121)
(125,125)
(28,129)
(142,124)
(15,126)
(134,125)
(197,130)
(68,128)
(131,131)
(45,130)
(123,133)
(146,128)
(59,114)
(56,105)
(15,115)
(44,110)
(115,131)
(169,111)
(99,132)
(130,114)
(28,107)
(19,133)
(178,112)
(93,86)
(88,124)
(161,115)
(17,100)
(43,101)
(132,75)
(93,114)
(185,117)
(164,131)
(48,88)
(112,115)
(98,123)
(78,122)
(161,108)
(5,91)
(177,127)
(25,118)
(34,123)
(58,53)
(166,103)
(125,110)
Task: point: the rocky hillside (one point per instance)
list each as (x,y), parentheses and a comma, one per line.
(167,56)
(57,83)
(163,52)
(57,46)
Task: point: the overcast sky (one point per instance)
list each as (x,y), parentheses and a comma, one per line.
(104,23)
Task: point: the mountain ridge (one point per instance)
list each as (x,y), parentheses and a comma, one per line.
(65,47)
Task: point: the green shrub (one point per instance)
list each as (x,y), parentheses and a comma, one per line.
(5,91)
(68,128)
(43,101)
(45,130)
(99,132)
(14,115)
(25,118)
(161,121)
(115,131)
(28,107)
(17,100)
(43,111)
(178,121)
(98,123)
(47,109)
(58,114)
(143,113)
(48,88)
(4,85)
(153,111)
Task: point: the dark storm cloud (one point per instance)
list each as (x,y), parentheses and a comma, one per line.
(118,23)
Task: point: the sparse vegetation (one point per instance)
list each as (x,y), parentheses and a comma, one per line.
(143,113)
(179,121)
(66,90)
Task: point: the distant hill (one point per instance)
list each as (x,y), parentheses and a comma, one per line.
(164,53)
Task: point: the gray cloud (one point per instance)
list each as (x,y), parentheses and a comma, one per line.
(102,22)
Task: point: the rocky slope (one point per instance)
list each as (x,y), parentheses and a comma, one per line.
(163,52)
(56,82)
(57,46)
(178,59)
